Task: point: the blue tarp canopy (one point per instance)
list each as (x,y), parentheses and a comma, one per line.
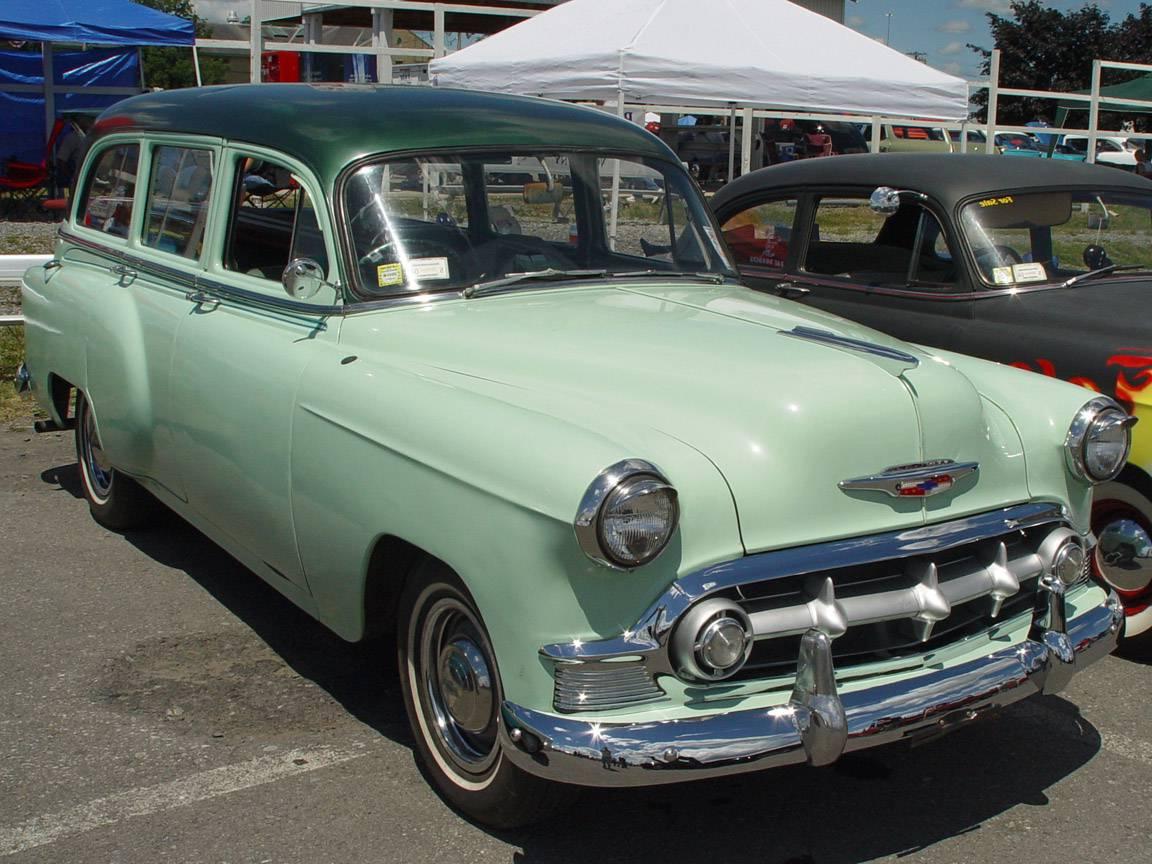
(95,22)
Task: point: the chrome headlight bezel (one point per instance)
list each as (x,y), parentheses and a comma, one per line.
(1095,414)
(589,518)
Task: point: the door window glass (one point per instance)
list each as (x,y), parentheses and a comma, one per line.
(760,236)
(106,203)
(272,222)
(178,197)
(851,241)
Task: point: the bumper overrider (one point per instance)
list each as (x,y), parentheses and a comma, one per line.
(817,724)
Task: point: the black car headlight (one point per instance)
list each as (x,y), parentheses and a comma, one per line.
(1099,439)
(627,515)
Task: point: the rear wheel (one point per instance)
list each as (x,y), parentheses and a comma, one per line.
(452,694)
(116,501)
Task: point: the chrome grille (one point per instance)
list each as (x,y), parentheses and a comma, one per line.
(599,686)
(896,607)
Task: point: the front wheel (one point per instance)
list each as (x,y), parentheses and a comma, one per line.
(116,501)
(452,694)
(1122,523)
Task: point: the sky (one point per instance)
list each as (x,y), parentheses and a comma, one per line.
(942,29)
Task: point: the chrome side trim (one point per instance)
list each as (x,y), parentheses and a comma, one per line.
(816,725)
(650,633)
(200,281)
(921,480)
(813,334)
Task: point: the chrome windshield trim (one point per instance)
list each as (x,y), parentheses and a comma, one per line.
(827,337)
(650,633)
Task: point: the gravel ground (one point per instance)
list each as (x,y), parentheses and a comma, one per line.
(23,238)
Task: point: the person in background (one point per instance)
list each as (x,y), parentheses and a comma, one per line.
(1142,166)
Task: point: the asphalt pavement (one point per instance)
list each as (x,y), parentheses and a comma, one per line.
(158,703)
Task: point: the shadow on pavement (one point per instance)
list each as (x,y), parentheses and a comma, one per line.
(890,802)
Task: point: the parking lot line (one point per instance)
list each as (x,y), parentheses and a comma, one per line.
(213,783)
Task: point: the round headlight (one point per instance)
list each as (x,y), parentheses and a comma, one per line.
(628,515)
(1099,439)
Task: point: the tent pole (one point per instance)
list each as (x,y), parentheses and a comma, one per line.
(746,142)
(49,89)
(993,99)
(196,64)
(875,142)
(255,44)
(731,141)
(1094,111)
(614,215)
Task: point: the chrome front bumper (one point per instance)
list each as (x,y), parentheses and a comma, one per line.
(817,724)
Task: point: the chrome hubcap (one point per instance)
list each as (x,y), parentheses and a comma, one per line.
(95,461)
(465,685)
(459,691)
(1124,555)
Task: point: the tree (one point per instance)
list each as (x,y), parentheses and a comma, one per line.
(170,68)
(1042,48)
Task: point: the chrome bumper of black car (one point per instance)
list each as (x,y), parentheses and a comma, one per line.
(817,724)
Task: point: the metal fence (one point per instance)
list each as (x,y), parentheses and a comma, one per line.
(12,267)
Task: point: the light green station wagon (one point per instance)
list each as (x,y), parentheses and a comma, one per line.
(476,371)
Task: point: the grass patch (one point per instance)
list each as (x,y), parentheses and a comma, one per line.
(13,406)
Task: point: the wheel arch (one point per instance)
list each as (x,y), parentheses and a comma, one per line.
(390,562)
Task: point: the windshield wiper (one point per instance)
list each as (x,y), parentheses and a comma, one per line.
(549,274)
(715,278)
(1101,271)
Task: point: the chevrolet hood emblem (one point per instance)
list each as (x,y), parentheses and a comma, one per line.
(918,480)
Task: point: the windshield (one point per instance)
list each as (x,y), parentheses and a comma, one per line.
(1052,236)
(445,222)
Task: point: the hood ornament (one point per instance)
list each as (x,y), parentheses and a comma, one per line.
(917,480)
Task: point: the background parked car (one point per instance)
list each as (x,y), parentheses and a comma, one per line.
(1112,151)
(1040,264)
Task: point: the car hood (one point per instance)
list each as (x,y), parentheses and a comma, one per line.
(783,419)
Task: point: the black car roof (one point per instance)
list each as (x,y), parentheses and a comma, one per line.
(947,177)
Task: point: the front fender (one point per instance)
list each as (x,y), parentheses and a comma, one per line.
(489,486)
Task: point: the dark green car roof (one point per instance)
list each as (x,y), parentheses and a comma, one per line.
(326,126)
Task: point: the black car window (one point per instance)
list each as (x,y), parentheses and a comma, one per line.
(906,249)
(760,236)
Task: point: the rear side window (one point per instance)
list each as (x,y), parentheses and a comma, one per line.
(272,222)
(178,200)
(761,236)
(106,202)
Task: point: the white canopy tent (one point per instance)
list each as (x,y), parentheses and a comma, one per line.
(754,53)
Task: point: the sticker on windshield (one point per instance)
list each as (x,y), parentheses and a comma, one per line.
(389,274)
(429,268)
(1002,275)
(1030,272)
(997,202)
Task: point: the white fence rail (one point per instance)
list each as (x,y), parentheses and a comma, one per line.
(12,267)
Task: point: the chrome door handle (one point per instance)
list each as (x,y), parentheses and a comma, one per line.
(206,302)
(791,289)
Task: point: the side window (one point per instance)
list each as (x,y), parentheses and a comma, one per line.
(760,236)
(852,242)
(178,200)
(271,222)
(106,202)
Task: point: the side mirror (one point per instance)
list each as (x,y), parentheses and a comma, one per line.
(884,200)
(303,278)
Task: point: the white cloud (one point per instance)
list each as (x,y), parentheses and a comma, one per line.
(999,6)
(954,26)
(951,68)
(953,48)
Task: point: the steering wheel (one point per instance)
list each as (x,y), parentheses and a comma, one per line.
(997,256)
